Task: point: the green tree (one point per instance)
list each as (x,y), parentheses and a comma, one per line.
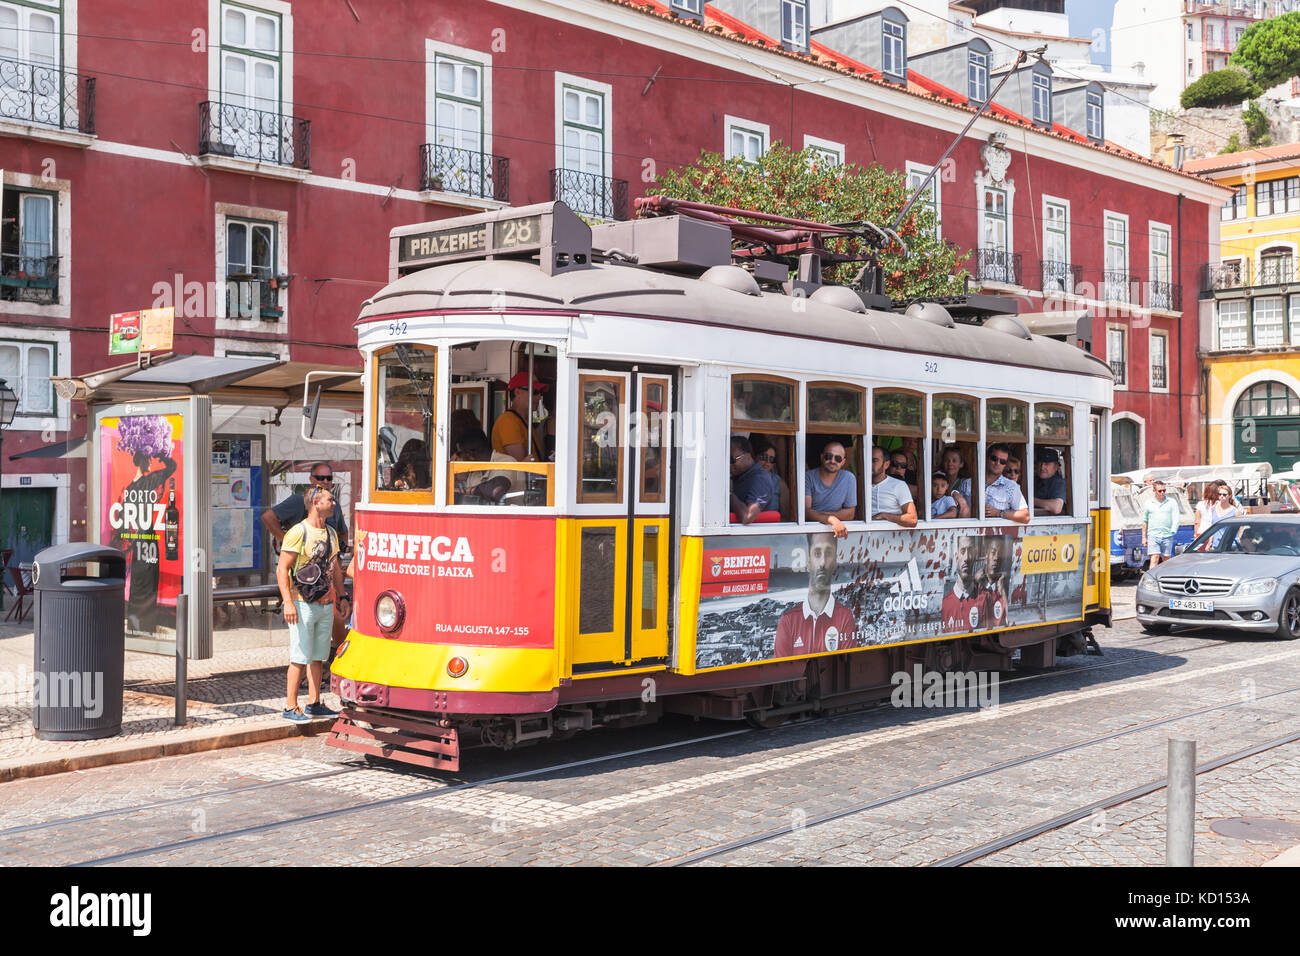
(1233,145)
(1226,87)
(1256,125)
(808,185)
(1270,50)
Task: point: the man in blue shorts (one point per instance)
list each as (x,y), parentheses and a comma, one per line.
(1159,524)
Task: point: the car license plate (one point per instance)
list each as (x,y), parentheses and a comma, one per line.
(1190,604)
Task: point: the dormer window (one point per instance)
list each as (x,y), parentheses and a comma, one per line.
(693,9)
(794,25)
(1095,127)
(893,50)
(977,77)
(1042,99)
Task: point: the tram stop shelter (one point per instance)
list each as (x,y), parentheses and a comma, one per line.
(243,451)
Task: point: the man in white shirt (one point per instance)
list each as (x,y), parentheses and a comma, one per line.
(1002,496)
(891,499)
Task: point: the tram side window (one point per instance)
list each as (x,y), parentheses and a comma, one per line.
(1053,459)
(1006,422)
(834,453)
(764,419)
(955,451)
(405,395)
(898,431)
(499,430)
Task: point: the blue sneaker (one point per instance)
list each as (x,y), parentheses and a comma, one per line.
(297,716)
(319,710)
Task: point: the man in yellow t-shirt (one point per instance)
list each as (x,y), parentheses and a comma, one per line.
(309,560)
(510,431)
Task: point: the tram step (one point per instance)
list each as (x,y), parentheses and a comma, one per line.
(417,742)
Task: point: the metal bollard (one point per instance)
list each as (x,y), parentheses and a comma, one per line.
(1180,810)
(182,654)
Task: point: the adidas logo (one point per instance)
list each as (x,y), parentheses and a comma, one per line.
(906,594)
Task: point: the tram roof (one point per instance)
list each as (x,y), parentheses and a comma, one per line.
(519,285)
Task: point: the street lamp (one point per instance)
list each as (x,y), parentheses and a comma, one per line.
(8,407)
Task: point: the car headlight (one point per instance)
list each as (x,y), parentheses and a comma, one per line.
(1257,586)
(1148,582)
(389,611)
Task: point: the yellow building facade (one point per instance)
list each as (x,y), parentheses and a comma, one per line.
(1250,311)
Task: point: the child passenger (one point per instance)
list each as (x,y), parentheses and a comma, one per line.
(942,504)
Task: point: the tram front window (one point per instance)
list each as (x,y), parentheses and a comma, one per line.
(405,386)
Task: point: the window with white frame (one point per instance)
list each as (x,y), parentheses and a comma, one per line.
(794,24)
(977,76)
(251,292)
(1159,360)
(1116,258)
(1042,98)
(694,7)
(995,219)
(583,178)
(825,151)
(893,49)
(30,44)
(929,199)
(1293,308)
(1117,353)
(26,367)
(1234,332)
(1095,126)
(1058,276)
(1161,289)
(29,255)
(1267,321)
(746,140)
(1277,196)
(247,121)
(1235,207)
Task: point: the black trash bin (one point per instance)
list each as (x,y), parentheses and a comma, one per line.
(80,592)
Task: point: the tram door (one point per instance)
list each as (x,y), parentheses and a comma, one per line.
(623,587)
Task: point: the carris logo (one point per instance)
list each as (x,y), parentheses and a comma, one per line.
(906,594)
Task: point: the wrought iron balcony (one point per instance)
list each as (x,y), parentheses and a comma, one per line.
(1118,367)
(47,96)
(589,194)
(257,135)
(997,265)
(1061,277)
(1115,287)
(253,295)
(29,279)
(1159,376)
(465,172)
(1164,295)
(1231,275)
(1275,271)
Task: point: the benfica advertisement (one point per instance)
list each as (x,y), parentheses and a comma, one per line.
(141,503)
(477,580)
(775,596)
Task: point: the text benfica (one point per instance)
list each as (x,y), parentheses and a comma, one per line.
(420,547)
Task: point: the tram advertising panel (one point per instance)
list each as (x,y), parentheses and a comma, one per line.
(774,596)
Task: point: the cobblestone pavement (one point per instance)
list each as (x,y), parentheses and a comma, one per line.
(542,805)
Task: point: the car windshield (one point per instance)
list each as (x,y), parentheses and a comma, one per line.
(1248,537)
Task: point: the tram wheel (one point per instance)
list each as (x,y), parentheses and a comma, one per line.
(1288,617)
(766,723)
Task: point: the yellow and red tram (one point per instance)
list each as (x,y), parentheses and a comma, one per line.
(591,570)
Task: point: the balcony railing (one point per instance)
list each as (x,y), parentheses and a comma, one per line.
(1244,274)
(1159,376)
(1118,367)
(1115,287)
(1276,271)
(1164,295)
(47,96)
(29,279)
(465,172)
(1230,276)
(256,135)
(997,265)
(589,194)
(1061,277)
(252,296)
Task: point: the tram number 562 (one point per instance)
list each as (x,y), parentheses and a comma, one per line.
(931,368)
(396,328)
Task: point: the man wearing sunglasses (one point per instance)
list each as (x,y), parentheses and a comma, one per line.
(1002,497)
(292,510)
(891,499)
(831,492)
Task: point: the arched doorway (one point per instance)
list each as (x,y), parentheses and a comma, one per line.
(1125,446)
(1266,426)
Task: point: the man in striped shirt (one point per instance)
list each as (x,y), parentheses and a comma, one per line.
(1002,496)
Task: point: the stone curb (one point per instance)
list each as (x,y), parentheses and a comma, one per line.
(197,741)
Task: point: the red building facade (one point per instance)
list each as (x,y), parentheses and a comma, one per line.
(245,161)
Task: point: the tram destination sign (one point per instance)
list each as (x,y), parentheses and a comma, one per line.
(552,231)
(471,241)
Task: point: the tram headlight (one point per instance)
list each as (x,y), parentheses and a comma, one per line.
(390,611)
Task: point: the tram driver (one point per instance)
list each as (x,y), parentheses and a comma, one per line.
(510,431)
(1002,496)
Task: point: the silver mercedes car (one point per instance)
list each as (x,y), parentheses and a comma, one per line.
(1242,573)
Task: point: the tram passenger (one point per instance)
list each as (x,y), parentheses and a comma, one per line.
(952,465)
(819,624)
(942,504)
(491,486)
(766,455)
(753,490)
(413,471)
(891,500)
(1049,483)
(898,469)
(831,491)
(1014,469)
(964,606)
(510,431)
(1002,498)
(462,420)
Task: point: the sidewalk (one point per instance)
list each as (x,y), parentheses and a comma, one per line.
(235,698)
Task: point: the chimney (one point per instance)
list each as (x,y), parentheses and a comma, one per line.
(1173,150)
